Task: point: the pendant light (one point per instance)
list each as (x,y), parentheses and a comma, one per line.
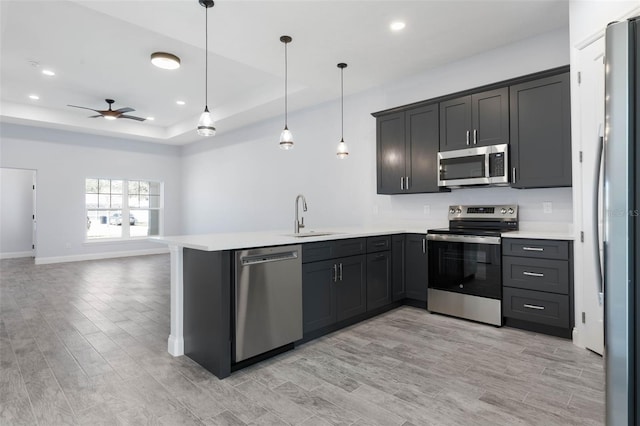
(343,150)
(205,124)
(286,138)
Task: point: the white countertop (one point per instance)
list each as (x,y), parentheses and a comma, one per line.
(242,240)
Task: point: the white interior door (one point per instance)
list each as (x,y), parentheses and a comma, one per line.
(591,93)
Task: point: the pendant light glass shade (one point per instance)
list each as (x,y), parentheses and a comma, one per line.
(342,151)
(205,123)
(286,138)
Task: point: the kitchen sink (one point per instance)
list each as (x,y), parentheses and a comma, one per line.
(311,234)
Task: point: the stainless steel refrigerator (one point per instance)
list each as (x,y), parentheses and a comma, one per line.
(621,222)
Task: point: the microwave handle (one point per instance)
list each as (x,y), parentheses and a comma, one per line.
(487,171)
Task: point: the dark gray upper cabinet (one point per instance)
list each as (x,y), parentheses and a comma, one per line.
(415,267)
(479,119)
(407,147)
(541,133)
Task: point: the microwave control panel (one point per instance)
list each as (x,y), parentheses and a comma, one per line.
(496,164)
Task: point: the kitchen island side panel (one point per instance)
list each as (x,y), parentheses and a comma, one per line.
(207,309)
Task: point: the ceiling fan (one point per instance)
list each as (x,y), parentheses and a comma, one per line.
(110,114)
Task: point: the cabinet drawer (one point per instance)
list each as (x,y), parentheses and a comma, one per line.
(536,306)
(546,249)
(536,274)
(323,250)
(375,244)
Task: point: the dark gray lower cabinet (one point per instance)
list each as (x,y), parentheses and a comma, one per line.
(397,268)
(378,279)
(537,279)
(415,267)
(332,290)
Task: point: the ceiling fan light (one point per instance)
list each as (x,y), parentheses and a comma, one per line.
(205,124)
(343,150)
(286,139)
(109,117)
(166,61)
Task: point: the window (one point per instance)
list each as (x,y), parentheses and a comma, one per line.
(122,208)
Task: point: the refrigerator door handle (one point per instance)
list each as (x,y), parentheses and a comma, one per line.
(597,214)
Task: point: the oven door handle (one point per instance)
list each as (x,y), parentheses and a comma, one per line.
(475,239)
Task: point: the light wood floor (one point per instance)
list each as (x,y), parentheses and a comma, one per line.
(85,343)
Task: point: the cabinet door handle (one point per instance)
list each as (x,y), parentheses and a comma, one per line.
(335,273)
(475,136)
(533,248)
(513,175)
(402,183)
(341,272)
(424,245)
(537,307)
(407,181)
(533,274)
(467,137)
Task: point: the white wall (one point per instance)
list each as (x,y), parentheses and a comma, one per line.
(242,181)
(63,160)
(16,210)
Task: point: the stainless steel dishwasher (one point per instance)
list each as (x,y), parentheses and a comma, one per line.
(268,299)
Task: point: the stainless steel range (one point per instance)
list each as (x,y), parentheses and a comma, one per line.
(465,270)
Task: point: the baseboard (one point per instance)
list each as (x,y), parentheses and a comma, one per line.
(97,256)
(16,254)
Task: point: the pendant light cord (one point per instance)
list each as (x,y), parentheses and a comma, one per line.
(286,67)
(206,57)
(342,102)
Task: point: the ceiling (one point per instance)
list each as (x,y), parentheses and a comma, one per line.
(100,49)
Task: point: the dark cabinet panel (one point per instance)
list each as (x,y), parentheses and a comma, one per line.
(541,133)
(422,143)
(536,306)
(318,295)
(378,279)
(391,153)
(455,124)
(416,266)
(536,274)
(351,290)
(474,120)
(397,267)
(543,249)
(407,147)
(375,244)
(490,122)
(323,250)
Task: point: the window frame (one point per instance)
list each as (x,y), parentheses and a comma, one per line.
(125,210)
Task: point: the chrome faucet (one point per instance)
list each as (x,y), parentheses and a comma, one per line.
(299,223)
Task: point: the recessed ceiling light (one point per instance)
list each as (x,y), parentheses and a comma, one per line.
(150,118)
(397,25)
(166,61)
(181,103)
(48,73)
(34,97)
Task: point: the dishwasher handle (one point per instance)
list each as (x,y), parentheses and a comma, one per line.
(266,258)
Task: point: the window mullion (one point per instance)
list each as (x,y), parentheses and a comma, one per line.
(125,209)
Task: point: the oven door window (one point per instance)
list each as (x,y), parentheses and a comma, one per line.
(469,167)
(467,268)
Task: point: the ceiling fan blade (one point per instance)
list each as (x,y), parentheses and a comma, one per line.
(95,116)
(132,117)
(125,109)
(76,106)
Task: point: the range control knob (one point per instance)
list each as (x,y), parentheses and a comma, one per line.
(510,211)
(458,210)
(503,210)
(452,210)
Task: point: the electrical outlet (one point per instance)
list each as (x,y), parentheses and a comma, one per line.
(547,207)
(426,209)
(375,209)
(68,245)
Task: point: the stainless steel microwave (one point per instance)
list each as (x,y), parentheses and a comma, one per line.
(485,165)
